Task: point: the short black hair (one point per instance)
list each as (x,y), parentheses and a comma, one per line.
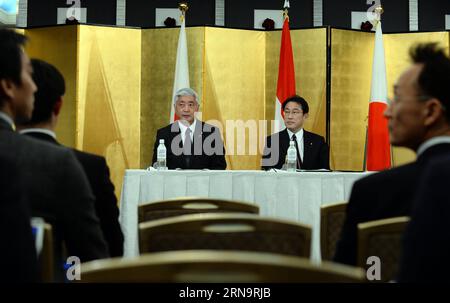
(434,78)
(11,44)
(299,100)
(51,87)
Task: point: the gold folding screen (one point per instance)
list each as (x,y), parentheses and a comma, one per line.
(233,86)
(58,45)
(109,96)
(119,86)
(351,71)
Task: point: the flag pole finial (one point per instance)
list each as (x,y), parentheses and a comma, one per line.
(183,7)
(286,7)
(378,12)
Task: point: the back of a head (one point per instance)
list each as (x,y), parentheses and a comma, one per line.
(51,87)
(11,44)
(434,79)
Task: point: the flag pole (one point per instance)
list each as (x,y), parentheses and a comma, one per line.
(378,146)
(379,10)
(183,7)
(181,79)
(286,7)
(365,147)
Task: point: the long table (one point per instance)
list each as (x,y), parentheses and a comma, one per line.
(283,195)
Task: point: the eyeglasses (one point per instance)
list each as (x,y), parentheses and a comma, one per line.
(189,105)
(294,112)
(396,99)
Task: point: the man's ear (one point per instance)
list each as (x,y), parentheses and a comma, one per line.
(7,88)
(434,111)
(306,115)
(57,107)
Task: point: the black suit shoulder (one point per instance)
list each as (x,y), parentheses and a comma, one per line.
(378,196)
(427,236)
(59,192)
(98,174)
(313,136)
(385,177)
(165,131)
(18,260)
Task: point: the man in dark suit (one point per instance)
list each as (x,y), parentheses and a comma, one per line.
(312,151)
(18,261)
(426,246)
(48,102)
(419,119)
(53,179)
(190,143)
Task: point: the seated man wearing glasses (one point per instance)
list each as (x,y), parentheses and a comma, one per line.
(312,151)
(418,119)
(190,143)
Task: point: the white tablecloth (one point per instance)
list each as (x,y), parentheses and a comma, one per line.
(293,196)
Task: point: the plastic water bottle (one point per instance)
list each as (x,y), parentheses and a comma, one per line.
(291,159)
(161,155)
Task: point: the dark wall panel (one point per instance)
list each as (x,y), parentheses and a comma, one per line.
(432,14)
(101,11)
(395,17)
(42,13)
(142,13)
(239,13)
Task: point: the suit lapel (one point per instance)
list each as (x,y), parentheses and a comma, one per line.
(174,131)
(284,145)
(307,148)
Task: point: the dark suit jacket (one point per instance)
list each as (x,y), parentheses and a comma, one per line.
(97,172)
(205,136)
(426,246)
(316,152)
(379,196)
(59,192)
(18,260)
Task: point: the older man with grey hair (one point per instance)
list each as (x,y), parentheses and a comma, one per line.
(190,143)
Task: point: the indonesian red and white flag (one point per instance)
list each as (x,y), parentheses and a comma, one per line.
(181,68)
(286,74)
(378,147)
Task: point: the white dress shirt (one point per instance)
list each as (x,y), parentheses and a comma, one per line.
(183,129)
(39,130)
(8,119)
(431,142)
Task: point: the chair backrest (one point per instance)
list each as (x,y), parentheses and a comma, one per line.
(216,266)
(382,239)
(43,234)
(47,255)
(225,232)
(332,219)
(192,205)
